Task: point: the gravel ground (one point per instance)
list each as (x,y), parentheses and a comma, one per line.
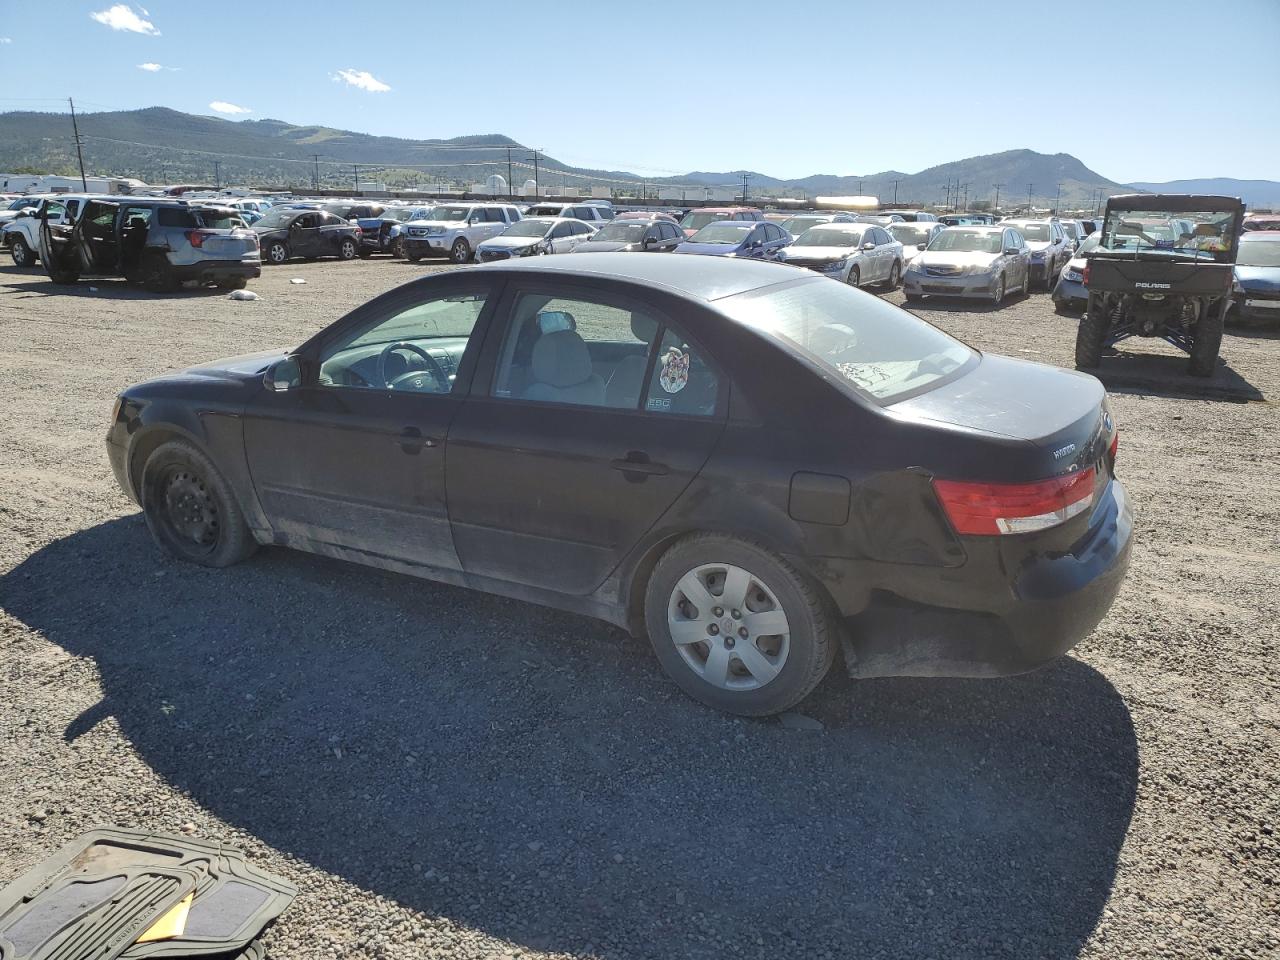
(446,774)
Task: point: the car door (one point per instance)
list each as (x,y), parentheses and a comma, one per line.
(304,236)
(590,415)
(559,238)
(1020,263)
(341,459)
(669,237)
(754,244)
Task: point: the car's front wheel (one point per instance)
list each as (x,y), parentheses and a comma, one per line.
(190,509)
(21,253)
(460,252)
(736,626)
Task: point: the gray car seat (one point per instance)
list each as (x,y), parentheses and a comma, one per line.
(562,371)
(628,376)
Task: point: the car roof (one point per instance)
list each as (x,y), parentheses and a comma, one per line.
(702,278)
(977,226)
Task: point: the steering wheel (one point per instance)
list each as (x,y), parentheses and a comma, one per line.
(433,366)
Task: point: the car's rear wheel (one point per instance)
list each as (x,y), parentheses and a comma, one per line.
(1026,282)
(233,283)
(1091,334)
(190,509)
(895,273)
(157,274)
(460,252)
(736,626)
(277,252)
(347,249)
(855,277)
(1204,351)
(21,253)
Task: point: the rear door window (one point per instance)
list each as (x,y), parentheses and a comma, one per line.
(681,381)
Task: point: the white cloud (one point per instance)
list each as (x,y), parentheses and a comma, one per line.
(362,79)
(223,107)
(6,39)
(122,17)
(150,67)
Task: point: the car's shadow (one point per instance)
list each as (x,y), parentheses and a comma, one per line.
(1165,375)
(531,774)
(101,288)
(966,304)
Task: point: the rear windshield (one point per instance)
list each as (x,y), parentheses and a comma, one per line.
(879,349)
(727,232)
(627,231)
(278,217)
(798,225)
(218,219)
(909,233)
(1032,231)
(696,221)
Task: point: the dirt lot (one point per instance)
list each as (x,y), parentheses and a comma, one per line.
(450,775)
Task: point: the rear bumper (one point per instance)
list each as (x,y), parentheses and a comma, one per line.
(976,622)
(211,271)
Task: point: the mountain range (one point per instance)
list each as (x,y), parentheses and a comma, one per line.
(160,145)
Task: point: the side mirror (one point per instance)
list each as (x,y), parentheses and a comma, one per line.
(648,242)
(868,245)
(921,246)
(284,374)
(1011,251)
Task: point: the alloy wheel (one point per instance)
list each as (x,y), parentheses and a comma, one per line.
(729,627)
(20,254)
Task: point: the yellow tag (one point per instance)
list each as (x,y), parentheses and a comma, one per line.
(171,924)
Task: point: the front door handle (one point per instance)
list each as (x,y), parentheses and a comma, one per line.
(411,440)
(637,465)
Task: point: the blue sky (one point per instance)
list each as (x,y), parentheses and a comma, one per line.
(1137,89)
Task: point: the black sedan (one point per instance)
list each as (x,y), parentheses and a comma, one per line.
(286,233)
(749,464)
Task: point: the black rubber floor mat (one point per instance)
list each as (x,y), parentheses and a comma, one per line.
(91,897)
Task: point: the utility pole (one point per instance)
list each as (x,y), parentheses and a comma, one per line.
(217,174)
(75,130)
(895,191)
(355,178)
(966,196)
(1029,186)
(859,186)
(510,184)
(745,177)
(996,208)
(315,171)
(536,186)
(1057,200)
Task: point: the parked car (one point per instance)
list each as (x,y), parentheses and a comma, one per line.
(1256,293)
(737,238)
(535,235)
(881,219)
(800,222)
(1049,248)
(1261,221)
(14,207)
(1070,293)
(695,220)
(159,243)
(914,236)
(21,235)
(641,236)
(949,512)
(1090,226)
(588,212)
(393,230)
(455,230)
(352,209)
(978,261)
(966,219)
(915,216)
(857,253)
(375,231)
(1074,233)
(288,232)
(645,215)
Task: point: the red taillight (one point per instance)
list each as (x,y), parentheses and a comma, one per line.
(1115,446)
(989,509)
(358,233)
(197,237)
(1084,277)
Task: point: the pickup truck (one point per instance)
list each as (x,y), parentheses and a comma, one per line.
(21,235)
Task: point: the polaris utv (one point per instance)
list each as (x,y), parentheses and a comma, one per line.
(1162,268)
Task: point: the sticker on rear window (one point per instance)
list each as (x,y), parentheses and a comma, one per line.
(674,375)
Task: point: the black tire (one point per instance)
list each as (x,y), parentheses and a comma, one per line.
(348,249)
(812,633)
(413,257)
(23,256)
(157,274)
(895,275)
(855,277)
(460,252)
(1204,351)
(190,509)
(998,294)
(64,277)
(233,283)
(277,252)
(1090,334)
(913,297)
(397,248)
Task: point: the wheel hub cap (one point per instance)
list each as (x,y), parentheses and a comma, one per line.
(729,627)
(190,508)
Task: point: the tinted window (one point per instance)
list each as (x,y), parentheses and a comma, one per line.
(495,215)
(53,209)
(559,231)
(387,352)
(580,229)
(169,217)
(574,350)
(681,381)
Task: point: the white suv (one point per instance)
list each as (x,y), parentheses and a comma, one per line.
(590,213)
(455,230)
(22,234)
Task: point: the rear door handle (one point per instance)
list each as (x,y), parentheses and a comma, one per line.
(411,440)
(636,464)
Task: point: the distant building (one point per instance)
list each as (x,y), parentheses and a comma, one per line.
(38,183)
(496,185)
(530,189)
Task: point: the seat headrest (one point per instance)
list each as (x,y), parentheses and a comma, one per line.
(561,359)
(643,327)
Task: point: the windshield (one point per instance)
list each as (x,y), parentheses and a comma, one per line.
(722,233)
(696,221)
(528,228)
(829,237)
(277,218)
(545,211)
(218,219)
(1032,231)
(22,202)
(878,348)
(798,225)
(624,232)
(1197,235)
(1259,253)
(960,240)
(909,233)
(448,213)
